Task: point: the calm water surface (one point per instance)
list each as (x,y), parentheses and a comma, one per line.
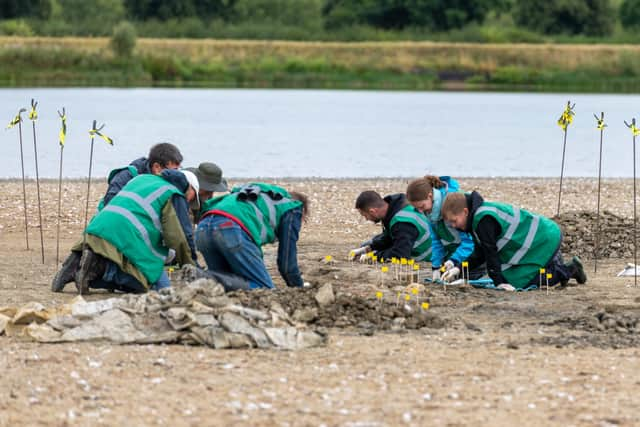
(297,133)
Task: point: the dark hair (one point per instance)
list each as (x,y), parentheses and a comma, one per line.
(305,203)
(369,199)
(420,188)
(163,153)
(453,204)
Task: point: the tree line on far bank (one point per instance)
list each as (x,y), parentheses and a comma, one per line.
(347,20)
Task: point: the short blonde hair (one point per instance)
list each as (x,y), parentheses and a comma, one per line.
(454,204)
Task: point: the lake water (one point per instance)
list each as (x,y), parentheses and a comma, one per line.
(299,133)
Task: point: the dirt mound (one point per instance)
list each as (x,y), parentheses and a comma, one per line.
(602,329)
(347,310)
(579,234)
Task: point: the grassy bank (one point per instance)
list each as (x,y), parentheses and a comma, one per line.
(397,65)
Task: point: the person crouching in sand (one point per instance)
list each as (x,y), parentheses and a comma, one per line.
(514,243)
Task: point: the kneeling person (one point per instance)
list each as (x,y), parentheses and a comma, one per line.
(405,231)
(127,242)
(234,227)
(514,243)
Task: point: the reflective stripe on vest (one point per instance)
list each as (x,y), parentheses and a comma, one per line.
(514,222)
(420,219)
(145,203)
(271,207)
(137,224)
(424,255)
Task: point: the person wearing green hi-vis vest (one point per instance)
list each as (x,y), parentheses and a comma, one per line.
(405,231)
(128,242)
(450,247)
(161,156)
(514,243)
(234,227)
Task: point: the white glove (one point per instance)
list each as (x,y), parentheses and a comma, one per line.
(506,287)
(171,255)
(363,258)
(449,265)
(451,275)
(353,253)
(435,275)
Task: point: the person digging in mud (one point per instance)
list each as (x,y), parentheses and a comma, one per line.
(234,227)
(514,243)
(129,241)
(405,231)
(449,247)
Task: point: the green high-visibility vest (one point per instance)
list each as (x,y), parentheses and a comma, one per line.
(449,237)
(422,246)
(258,206)
(132,170)
(526,243)
(132,223)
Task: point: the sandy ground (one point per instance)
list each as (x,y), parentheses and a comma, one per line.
(494,358)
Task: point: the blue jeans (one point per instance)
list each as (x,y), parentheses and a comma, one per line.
(227,248)
(117,280)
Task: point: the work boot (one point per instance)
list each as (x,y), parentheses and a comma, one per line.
(92,266)
(577,271)
(189,273)
(67,272)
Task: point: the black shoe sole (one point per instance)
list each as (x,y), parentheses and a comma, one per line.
(67,272)
(91,267)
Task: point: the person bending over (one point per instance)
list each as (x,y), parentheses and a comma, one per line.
(405,231)
(514,243)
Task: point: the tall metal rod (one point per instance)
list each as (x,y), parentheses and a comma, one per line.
(564,147)
(59,206)
(635,233)
(35,150)
(564,121)
(601,126)
(24,188)
(86,212)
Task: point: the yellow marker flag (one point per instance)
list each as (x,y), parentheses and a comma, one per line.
(17,119)
(567,116)
(414,291)
(425,306)
(411,261)
(549,275)
(542,271)
(416,267)
(33,114)
(403,261)
(94,132)
(407,297)
(634,130)
(465,263)
(63,130)
(384,269)
(328,258)
(379,295)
